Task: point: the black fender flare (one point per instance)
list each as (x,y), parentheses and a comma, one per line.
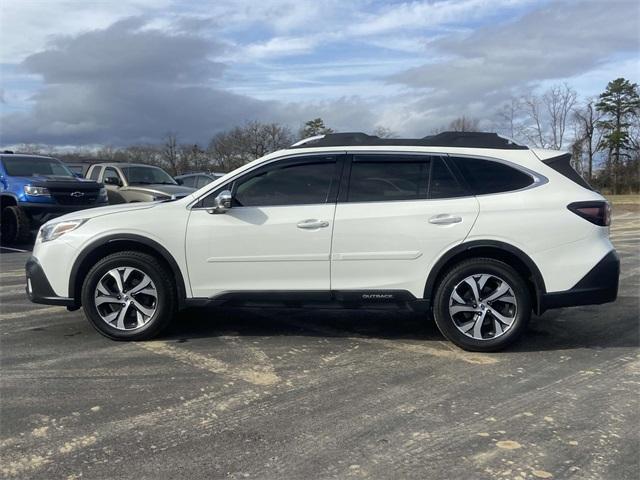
(465,247)
(128,237)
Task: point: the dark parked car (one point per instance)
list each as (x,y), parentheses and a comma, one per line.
(35,189)
(197,180)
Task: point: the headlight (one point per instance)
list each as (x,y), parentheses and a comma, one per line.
(51,231)
(36,191)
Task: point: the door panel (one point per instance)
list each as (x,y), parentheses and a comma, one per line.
(392,245)
(395,230)
(276,236)
(259,248)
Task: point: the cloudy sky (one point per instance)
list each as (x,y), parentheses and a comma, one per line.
(97,72)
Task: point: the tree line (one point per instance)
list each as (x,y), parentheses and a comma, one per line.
(602,133)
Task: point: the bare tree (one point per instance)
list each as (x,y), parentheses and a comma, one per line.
(169,153)
(509,118)
(558,101)
(464,124)
(240,145)
(384,132)
(586,119)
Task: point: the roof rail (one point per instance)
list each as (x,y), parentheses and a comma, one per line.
(307,140)
(444,139)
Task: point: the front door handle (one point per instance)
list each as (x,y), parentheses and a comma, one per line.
(445,219)
(312,224)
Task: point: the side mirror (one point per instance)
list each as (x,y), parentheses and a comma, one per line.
(179,181)
(222,203)
(112,181)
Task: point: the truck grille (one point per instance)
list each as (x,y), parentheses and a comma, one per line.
(75,197)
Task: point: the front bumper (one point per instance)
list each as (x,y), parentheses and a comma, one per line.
(598,286)
(39,289)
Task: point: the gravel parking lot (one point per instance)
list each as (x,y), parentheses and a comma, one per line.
(287,393)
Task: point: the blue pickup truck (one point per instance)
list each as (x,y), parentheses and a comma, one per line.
(35,189)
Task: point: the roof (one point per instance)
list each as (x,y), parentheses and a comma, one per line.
(444,139)
(121,164)
(23,155)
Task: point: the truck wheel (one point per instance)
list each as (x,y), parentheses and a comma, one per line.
(482,305)
(129,296)
(16,227)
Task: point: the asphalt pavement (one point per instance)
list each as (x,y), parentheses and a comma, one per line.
(306,394)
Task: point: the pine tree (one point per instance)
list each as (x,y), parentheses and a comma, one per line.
(619,103)
(314,127)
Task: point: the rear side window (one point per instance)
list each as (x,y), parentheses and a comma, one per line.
(443,184)
(188,181)
(202,181)
(486,176)
(380,178)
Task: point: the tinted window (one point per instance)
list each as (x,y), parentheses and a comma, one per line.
(188,181)
(485,176)
(147,175)
(202,181)
(379,178)
(95,173)
(443,183)
(299,184)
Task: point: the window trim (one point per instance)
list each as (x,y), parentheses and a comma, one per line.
(289,160)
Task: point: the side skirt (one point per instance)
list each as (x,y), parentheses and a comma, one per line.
(390,299)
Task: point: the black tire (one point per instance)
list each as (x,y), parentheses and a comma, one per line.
(16,226)
(165,305)
(478,266)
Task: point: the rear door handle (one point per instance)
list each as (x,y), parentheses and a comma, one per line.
(445,219)
(312,224)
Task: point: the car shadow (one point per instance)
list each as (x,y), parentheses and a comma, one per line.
(596,327)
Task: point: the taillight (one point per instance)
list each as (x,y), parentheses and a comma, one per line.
(598,212)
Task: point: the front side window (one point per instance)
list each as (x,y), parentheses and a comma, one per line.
(379,178)
(111,173)
(486,176)
(289,184)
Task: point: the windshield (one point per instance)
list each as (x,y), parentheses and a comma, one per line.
(145,175)
(35,167)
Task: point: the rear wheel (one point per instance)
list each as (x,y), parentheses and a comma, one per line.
(482,304)
(15,225)
(129,296)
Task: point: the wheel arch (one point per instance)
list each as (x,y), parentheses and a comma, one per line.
(502,251)
(118,243)
(8,200)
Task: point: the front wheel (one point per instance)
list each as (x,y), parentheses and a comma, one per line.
(15,225)
(129,296)
(482,304)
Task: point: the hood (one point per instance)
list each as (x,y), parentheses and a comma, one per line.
(161,188)
(108,210)
(53,181)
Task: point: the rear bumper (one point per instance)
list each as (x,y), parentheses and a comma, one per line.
(39,289)
(598,286)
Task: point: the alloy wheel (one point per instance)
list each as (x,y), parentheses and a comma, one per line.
(126,298)
(483,306)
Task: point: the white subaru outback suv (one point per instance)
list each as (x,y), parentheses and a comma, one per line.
(475,229)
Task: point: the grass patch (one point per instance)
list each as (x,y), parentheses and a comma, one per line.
(623,199)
